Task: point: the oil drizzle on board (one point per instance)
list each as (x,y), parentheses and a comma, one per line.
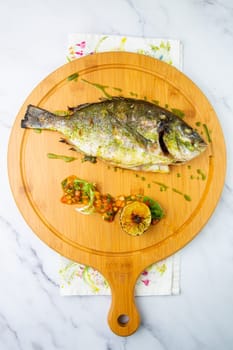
(66,159)
(207,132)
(101,87)
(117,89)
(164,187)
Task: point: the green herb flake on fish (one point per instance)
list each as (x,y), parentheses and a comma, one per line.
(125,132)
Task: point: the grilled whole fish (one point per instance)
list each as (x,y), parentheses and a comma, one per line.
(127,133)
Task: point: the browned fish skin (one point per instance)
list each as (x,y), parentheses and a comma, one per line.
(128,133)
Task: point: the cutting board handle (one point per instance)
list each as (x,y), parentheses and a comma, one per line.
(123,316)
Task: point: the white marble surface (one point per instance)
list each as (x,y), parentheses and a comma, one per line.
(33,37)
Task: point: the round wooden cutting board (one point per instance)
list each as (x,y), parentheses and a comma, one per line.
(188,194)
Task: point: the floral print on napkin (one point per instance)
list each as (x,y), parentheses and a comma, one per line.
(161,278)
(168,51)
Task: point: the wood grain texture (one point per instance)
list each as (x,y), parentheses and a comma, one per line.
(36,180)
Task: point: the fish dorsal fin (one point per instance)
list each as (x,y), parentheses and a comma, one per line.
(84,105)
(101,100)
(79,107)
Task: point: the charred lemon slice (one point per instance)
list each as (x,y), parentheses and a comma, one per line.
(135,218)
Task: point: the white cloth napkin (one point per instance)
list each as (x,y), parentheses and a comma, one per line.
(162,278)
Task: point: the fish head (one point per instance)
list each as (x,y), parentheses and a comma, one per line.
(181,141)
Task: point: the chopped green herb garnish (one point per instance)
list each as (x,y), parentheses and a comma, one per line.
(117,89)
(201,173)
(207,132)
(73,77)
(187,197)
(178,112)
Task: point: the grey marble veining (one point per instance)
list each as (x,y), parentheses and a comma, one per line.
(33,37)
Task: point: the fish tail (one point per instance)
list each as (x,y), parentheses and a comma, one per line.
(38,118)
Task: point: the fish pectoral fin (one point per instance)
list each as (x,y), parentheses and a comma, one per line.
(138,137)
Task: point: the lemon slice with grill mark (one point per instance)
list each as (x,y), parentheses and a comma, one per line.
(135,218)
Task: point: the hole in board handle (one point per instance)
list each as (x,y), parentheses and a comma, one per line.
(123,320)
